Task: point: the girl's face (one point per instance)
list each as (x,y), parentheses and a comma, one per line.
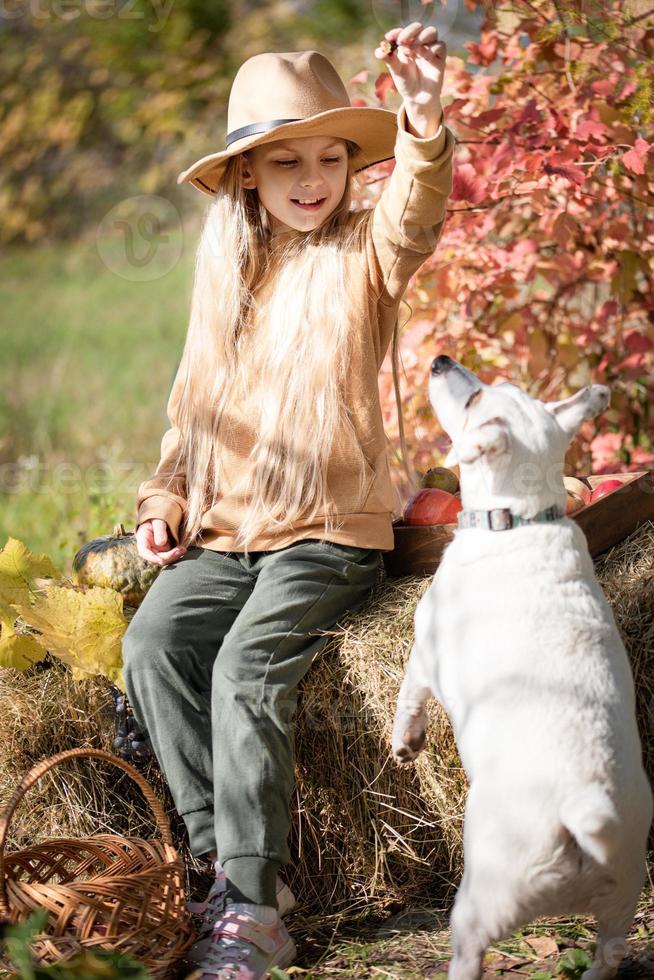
(303,169)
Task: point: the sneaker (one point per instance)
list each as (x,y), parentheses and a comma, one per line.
(214,906)
(241,948)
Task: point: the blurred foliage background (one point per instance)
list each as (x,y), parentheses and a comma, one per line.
(101,97)
(544,272)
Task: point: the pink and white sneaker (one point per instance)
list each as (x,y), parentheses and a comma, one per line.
(242,948)
(214,906)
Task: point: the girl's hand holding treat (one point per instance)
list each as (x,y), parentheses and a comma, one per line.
(153,543)
(416,61)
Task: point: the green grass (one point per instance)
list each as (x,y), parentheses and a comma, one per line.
(88,360)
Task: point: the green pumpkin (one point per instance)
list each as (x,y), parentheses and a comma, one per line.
(112,562)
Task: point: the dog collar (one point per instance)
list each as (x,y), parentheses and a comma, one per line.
(502,519)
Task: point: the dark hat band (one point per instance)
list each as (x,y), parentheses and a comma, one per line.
(254,128)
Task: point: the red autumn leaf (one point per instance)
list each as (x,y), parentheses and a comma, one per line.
(484,118)
(467,185)
(603,86)
(606,446)
(573,174)
(632,365)
(502,161)
(590,128)
(643,458)
(637,343)
(383,84)
(628,89)
(530,114)
(634,158)
(532,163)
(485,52)
(565,228)
(603,364)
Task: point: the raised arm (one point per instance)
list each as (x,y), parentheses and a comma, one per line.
(409,216)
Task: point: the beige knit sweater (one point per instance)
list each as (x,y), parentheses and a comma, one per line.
(401,231)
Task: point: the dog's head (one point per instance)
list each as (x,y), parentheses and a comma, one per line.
(510,447)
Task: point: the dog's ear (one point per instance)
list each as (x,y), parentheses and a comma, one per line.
(584,404)
(490,439)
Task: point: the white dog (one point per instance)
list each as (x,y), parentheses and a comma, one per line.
(516,640)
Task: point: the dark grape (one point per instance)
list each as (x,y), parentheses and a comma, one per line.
(130,743)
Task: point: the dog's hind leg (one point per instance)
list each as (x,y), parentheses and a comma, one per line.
(491,901)
(470,937)
(611,945)
(410,724)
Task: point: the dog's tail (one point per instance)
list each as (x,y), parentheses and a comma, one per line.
(591,818)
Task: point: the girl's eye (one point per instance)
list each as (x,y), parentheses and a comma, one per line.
(288,163)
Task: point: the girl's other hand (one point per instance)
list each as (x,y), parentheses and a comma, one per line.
(417,64)
(153,543)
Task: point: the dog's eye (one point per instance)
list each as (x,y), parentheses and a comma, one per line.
(473,397)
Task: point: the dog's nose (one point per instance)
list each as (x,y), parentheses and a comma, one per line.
(441,363)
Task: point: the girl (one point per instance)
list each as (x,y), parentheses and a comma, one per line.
(273,501)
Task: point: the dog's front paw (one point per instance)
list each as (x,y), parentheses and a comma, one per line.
(409,734)
(403,755)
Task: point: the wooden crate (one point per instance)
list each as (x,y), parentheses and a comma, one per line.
(418,550)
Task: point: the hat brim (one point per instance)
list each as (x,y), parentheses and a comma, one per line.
(373,130)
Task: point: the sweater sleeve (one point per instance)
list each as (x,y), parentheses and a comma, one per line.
(164,494)
(408,218)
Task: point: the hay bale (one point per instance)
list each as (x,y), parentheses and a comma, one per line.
(365,832)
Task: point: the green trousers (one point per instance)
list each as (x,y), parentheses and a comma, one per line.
(211,661)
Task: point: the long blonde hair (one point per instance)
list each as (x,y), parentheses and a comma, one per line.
(297,362)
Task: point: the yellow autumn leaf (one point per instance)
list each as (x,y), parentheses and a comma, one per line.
(84,629)
(18,650)
(7,614)
(18,569)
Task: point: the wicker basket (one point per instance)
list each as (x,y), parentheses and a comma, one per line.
(116,893)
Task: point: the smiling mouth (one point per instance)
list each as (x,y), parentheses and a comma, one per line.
(310,207)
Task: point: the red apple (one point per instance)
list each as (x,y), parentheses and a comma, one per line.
(432,506)
(604,488)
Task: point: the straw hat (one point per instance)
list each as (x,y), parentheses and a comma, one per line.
(282,96)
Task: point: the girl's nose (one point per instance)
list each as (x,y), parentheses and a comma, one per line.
(310,175)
